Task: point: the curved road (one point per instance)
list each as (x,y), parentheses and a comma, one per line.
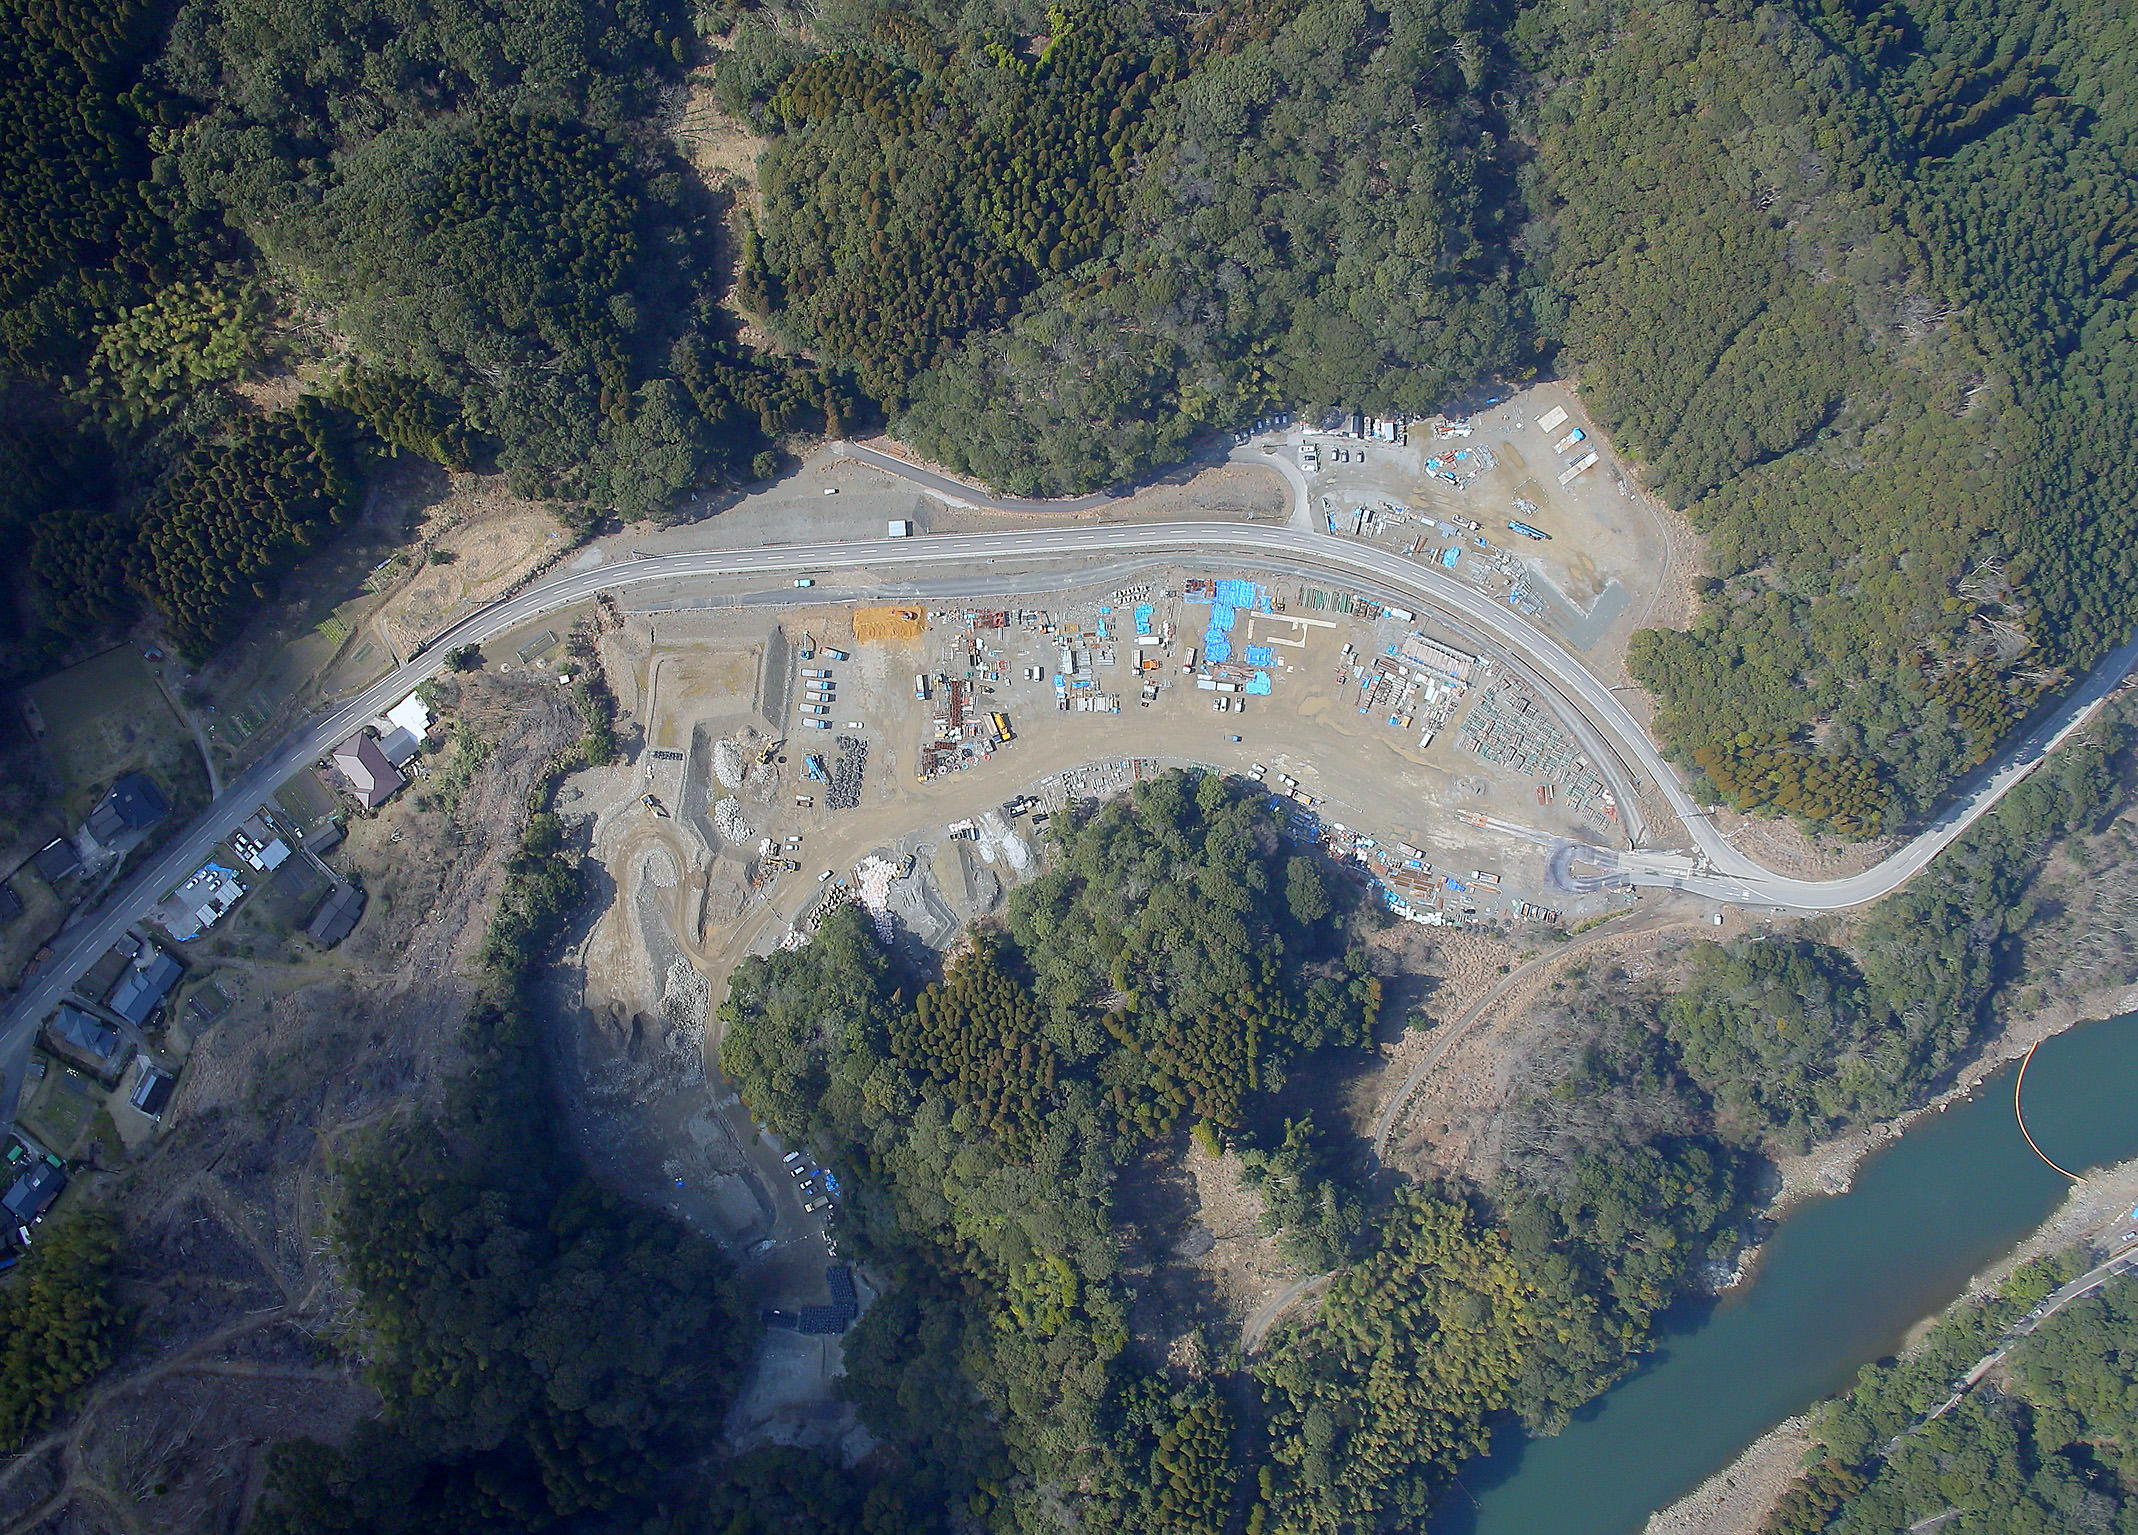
(1721,872)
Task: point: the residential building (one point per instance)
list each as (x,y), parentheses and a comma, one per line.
(370,776)
(33,1193)
(85,1032)
(134,805)
(144,984)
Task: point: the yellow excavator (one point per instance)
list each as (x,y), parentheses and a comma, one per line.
(764,754)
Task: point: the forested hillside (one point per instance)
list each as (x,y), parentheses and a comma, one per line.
(460,225)
(1856,283)
(1164,974)
(1063,246)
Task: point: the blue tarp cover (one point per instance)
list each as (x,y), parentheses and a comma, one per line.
(1261,655)
(1143,618)
(1260,685)
(1216,647)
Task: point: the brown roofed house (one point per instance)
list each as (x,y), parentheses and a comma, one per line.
(360,760)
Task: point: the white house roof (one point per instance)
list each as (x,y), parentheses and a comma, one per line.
(410,714)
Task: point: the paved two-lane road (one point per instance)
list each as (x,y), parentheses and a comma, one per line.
(1615,737)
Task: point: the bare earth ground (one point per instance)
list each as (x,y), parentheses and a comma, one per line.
(241,1337)
(493,537)
(1452,1123)
(1736,1499)
(1242,1263)
(1788,849)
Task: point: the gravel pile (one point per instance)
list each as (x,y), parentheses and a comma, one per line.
(728,821)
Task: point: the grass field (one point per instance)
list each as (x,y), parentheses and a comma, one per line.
(305,800)
(106,717)
(291,895)
(62,1109)
(23,937)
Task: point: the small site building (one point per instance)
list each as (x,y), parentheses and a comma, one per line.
(371,777)
(153,1091)
(398,746)
(411,714)
(56,860)
(337,916)
(33,1193)
(259,844)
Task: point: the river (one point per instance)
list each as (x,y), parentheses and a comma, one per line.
(1841,1282)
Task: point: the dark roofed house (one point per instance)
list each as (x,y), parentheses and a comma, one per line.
(34,1192)
(143,984)
(398,745)
(322,840)
(336,916)
(85,1032)
(153,1091)
(56,860)
(360,761)
(10,903)
(134,804)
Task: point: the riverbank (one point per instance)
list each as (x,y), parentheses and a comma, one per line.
(1736,1499)
(1830,1168)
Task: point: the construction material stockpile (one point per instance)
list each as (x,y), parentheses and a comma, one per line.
(1507,725)
(845,792)
(889,623)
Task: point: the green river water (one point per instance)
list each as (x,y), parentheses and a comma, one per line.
(1839,1284)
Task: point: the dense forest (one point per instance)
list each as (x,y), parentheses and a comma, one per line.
(459,226)
(1165,972)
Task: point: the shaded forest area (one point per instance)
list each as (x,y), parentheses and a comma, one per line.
(461,225)
(544,1351)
